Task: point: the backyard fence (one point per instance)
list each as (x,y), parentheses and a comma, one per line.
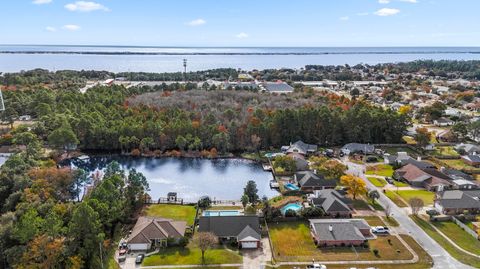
(465,227)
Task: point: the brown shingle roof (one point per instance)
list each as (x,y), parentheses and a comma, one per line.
(148,228)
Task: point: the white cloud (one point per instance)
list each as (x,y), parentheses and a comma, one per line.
(383,1)
(242,35)
(51,29)
(41,2)
(344,18)
(196,22)
(387,12)
(71,27)
(410,1)
(84,6)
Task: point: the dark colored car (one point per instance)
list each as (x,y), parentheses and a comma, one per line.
(139,258)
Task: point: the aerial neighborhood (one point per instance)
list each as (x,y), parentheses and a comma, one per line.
(320,167)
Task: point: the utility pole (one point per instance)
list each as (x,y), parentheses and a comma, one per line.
(185,70)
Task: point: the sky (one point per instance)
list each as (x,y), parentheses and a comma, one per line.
(241,23)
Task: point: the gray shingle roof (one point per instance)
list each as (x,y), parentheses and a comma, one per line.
(460,199)
(248,232)
(278,87)
(331,201)
(302,147)
(341,229)
(228,226)
(308,179)
(357,147)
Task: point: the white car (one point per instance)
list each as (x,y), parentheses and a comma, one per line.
(380,230)
(316,266)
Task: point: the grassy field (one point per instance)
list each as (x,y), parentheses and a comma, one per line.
(292,242)
(395,198)
(459,164)
(175,212)
(400,184)
(462,238)
(374,221)
(360,204)
(391,221)
(445,151)
(380,170)
(377,182)
(457,254)
(191,255)
(409,140)
(426,196)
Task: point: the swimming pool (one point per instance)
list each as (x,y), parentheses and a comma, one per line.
(292,206)
(220,213)
(291,187)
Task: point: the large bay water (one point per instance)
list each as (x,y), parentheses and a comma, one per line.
(191,178)
(162,59)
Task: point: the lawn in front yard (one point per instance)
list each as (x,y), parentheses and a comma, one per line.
(385,170)
(377,182)
(457,254)
(192,255)
(461,238)
(175,212)
(359,204)
(292,242)
(400,184)
(426,196)
(395,198)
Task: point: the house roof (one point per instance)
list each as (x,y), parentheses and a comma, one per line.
(457,174)
(148,228)
(460,199)
(339,229)
(331,201)
(301,147)
(472,158)
(468,148)
(412,173)
(248,234)
(278,87)
(308,179)
(357,147)
(229,226)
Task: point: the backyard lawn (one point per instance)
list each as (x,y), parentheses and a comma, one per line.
(457,254)
(462,238)
(426,196)
(395,198)
(292,242)
(377,182)
(193,256)
(445,151)
(175,212)
(380,170)
(459,164)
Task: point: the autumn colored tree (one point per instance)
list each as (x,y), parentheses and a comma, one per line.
(329,168)
(355,185)
(422,136)
(43,252)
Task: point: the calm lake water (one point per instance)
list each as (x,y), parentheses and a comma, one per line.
(221,179)
(161,59)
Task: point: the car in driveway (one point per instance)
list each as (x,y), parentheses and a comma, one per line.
(316,266)
(139,258)
(380,230)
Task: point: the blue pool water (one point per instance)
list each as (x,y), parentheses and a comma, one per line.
(291,187)
(220,213)
(294,207)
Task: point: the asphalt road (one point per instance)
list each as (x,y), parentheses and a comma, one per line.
(441,258)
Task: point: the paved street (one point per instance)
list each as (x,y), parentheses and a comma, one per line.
(441,258)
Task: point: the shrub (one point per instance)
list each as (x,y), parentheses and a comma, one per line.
(290,213)
(183,242)
(375,251)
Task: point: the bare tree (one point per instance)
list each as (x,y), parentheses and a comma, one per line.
(388,211)
(205,241)
(416,204)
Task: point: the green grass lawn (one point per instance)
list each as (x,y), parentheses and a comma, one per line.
(175,212)
(360,204)
(461,238)
(400,184)
(445,151)
(375,205)
(457,254)
(380,170)
(395,198)
(377,182)
(391,221)
(426,196)
(292,242)
(458,164)
(192,255)
(374,220)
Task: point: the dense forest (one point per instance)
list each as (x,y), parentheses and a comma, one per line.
(116,118)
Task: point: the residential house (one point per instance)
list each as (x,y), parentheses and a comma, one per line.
(428,178)
(309,181)
(455,202)
(340,232)
(462,184)
(333,203)
(467,149)
(352,148)
(300,163)
(455,174)
(300,147)
(447,136)
(151,233)
(243,229)
(473,160)
(443,122)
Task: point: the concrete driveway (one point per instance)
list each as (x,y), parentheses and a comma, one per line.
(442,259)
(256,259)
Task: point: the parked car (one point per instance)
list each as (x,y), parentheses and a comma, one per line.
(316,266)
(139,258)
(380,230)
(122,258)
(389,180)
(371,159)
(123,251)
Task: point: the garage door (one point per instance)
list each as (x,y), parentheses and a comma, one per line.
(249,244)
